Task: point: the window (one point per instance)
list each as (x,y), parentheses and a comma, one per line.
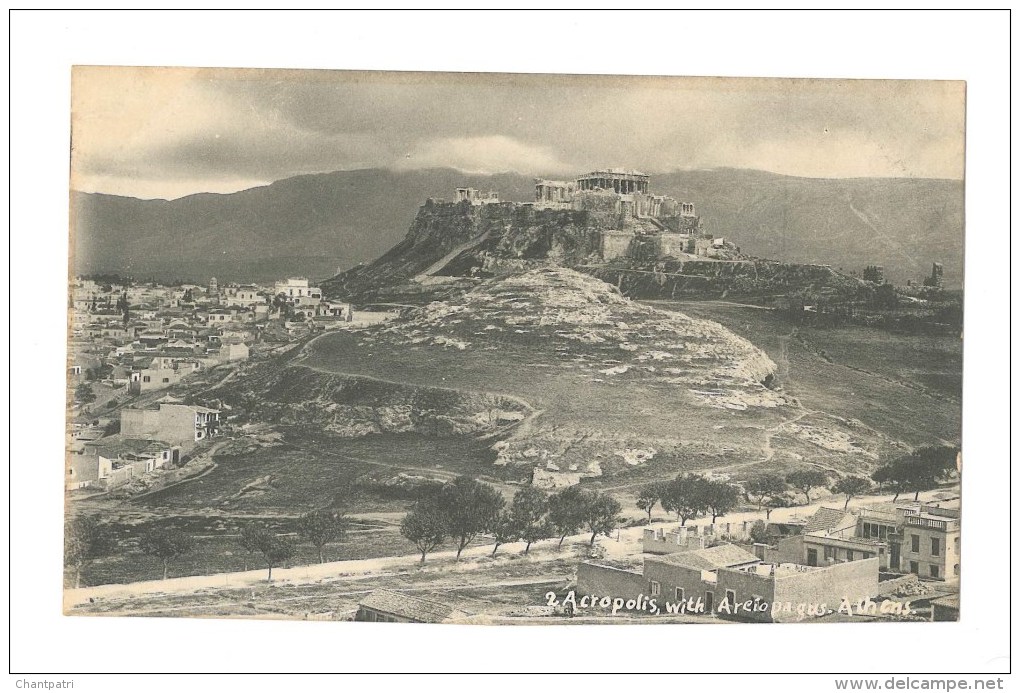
(933,570)
(849,555)
(956,570)
(731,599)
(653,588)
(914,568)
(935,546)
(166,380)
(830,552)
(915,543)
(680,593)
(146,379)
(867,554)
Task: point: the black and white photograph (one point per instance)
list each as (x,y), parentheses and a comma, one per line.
(545,355)
(500,354)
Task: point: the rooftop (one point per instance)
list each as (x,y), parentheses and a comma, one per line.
(826,519)
(407,606)
(720,556)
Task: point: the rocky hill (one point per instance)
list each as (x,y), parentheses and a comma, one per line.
(761,281)
(463,241)
(612,386)
(314,224)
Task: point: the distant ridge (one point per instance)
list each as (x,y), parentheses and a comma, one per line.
(314,224)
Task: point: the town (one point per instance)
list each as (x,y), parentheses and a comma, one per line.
(132,342)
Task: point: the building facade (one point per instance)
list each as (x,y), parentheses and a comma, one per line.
(174,423)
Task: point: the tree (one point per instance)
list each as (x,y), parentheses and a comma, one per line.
(851,486)
(761,488)
(806,479)
(719,497)
(276,550)
(601,514)
(759,533)
(774,502)
(322,527)
(85,539)
(921,470)
(468,507)
(537,532)
(425,527)
(252,538)
(566,511)
(886,477)
(83,394)
(504,529)
(124,306)
(166,544)
(685,496)
(648,498)
(528,510)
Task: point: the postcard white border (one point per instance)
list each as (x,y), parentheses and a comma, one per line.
(919,45)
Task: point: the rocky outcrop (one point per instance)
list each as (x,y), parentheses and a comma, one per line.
(351,407)
(512,236)
(465,241)
(557,311)
(753,279)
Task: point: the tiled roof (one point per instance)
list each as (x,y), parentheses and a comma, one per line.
(721,556)
(406,606)
(826,519)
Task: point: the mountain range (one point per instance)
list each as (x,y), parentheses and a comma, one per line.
(316,225)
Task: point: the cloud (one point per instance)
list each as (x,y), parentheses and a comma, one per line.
(217,128)
(488,154)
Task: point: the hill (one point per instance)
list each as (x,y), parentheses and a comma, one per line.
(314,224)
(307,225)
(614,386)
(903,224)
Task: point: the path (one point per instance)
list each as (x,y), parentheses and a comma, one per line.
(549,579)
(448,258)
(625,545)
(208,454)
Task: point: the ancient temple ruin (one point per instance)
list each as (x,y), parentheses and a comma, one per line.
(631,221)
(629,187)
(646,225)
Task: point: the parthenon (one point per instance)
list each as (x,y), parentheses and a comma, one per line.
(629,187)
(616,179)
(631,221)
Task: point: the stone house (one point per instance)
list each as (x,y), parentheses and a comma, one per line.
(177,424)
(728,582)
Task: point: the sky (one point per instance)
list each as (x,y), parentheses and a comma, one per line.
(170,132)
